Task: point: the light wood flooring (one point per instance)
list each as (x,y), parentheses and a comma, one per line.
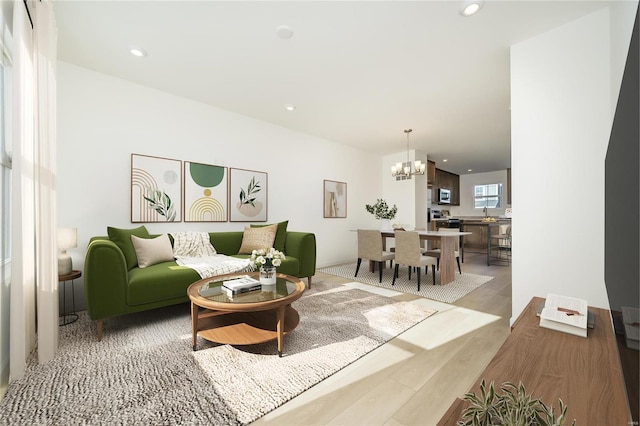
(414,378)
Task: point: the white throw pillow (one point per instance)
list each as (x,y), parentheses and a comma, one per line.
(151,251)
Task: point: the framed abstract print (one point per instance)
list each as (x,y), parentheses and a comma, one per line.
(156,189)
(335,199)
(205,193)
(248,195)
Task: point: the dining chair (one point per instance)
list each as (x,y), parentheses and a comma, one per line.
(436,252)
(370,248)
(409,253)
(503,245)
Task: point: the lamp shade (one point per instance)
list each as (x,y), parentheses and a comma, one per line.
(67,238)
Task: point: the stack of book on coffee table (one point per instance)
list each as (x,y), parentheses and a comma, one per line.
(240,285)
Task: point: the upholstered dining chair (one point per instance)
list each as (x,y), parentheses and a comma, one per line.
(503,240)
(370,248)
(409,253)
(436,251)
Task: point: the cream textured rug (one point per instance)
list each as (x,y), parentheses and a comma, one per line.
(144,371)
(449,293)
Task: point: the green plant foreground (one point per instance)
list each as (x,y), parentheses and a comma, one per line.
(514,407)
(381,210)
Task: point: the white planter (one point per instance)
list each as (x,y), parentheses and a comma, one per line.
(268,275)
(385,224)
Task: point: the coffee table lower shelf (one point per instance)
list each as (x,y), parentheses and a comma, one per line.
(245,328)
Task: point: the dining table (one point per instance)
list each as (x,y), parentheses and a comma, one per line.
(447,242)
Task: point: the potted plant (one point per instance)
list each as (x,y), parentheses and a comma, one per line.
(380,210)
(513,407)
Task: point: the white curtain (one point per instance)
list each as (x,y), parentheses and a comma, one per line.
(46,36)
(22,317)
(33,192)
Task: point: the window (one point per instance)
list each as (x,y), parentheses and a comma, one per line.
(489,196)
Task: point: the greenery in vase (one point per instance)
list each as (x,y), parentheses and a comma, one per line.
(160,202)
(248,196)
(514,407)
(381,210)
(270,257)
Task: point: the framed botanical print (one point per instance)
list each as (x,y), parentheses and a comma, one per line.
(205,193)
(248,195)
(156,189)
(335,199)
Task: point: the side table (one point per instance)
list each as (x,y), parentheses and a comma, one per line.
(66,318)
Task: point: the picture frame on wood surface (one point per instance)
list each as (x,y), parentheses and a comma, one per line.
(248,199)
(334,199)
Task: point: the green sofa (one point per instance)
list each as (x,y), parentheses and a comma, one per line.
(113,287)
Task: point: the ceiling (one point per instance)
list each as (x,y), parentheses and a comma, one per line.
(358,73)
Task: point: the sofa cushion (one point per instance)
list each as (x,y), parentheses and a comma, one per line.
(122,238)
(150,251)
(163,281)
(257,238)
(281,234)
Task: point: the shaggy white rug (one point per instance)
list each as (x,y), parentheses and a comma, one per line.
(145,372)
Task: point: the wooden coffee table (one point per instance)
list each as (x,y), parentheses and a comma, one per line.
(248,319)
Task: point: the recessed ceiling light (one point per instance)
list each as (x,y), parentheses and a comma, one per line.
(444,160)
(469,170)
(290,107)
(137,51)
(284,31)
(470,7)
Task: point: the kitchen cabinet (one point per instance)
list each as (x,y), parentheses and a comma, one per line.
(478,237)
(431,173)
(447,180)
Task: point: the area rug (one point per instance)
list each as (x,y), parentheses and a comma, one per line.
(145,372)
(462,284)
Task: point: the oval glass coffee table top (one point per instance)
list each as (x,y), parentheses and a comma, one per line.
(212,290)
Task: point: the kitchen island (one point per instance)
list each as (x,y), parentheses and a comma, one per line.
(481,231)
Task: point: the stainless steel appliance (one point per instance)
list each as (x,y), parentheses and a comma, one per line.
(444,196)
(450,223)
(435,214)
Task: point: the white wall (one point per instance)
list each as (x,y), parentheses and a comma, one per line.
(561,118)
(102,120)
(468,182)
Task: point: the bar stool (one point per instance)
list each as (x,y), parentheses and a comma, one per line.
(503,243)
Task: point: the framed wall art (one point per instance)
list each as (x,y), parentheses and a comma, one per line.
(205,193)
(335,199)
(156,189)
(248,195)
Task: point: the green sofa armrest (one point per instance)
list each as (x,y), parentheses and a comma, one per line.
(302,245)
(105,279)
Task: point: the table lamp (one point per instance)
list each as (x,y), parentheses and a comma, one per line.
(67,238)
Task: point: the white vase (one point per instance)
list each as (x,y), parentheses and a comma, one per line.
(385,224)
(267,275)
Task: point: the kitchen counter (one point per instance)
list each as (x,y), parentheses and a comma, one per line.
(473,219)
(481,231)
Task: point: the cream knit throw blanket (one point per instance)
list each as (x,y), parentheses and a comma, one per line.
(194,250)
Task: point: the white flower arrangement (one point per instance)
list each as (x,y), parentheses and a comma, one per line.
(270,257)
